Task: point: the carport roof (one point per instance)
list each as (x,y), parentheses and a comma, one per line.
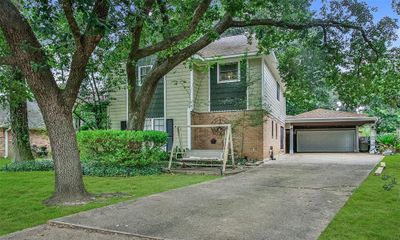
(330,116)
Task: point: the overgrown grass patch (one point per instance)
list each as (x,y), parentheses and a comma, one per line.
(371,212)
(22,194)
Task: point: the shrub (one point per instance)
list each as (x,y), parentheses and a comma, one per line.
(387,141)
(88,168)
(114,148)
(28,166)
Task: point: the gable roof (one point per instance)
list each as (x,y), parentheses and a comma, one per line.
(228,46)
(35,119)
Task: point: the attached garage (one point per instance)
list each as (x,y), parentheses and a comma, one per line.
(324,130)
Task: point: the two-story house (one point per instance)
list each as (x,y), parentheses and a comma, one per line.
(229,82)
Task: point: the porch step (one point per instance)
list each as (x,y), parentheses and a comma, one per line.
(199,159)
(189,164)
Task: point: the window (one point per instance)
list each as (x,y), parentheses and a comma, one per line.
(157,124)
(272,127)
(276,131)
(282,137)
(143,71)
(278,91)
(228,72)
(148,125)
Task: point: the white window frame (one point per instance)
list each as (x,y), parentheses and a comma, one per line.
(140,81)
(228,81)
(152,123)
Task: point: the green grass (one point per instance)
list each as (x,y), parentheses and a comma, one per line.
(22,193)
(371,212)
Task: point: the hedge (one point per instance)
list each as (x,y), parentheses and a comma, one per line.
(88,169)
(115,148)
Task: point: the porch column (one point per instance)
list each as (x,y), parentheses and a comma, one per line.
(291,149)
(372,140)
(357,139)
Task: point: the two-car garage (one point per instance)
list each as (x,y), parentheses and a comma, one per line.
(326,140)
(324,130)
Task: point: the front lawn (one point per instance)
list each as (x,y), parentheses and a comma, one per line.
(22,193)
(371,212)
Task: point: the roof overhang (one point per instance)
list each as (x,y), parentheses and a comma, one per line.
(332,121)
(248,54)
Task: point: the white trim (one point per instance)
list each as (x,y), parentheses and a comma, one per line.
(263,101)
(140,75)
(228,81)
(255,53)
(127,103)
(209,89)
(6,147)
(189,132)
(247,86)
(191,89)
(165,103)
(339,119)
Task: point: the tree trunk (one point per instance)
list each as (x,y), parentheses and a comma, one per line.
(136,118)
(69,186)
(19,124)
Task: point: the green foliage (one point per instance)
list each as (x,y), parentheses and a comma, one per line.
(387,141)
(115,148)
(29,166)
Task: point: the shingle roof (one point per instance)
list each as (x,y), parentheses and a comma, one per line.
(325,113)
(232,45)
(35,119)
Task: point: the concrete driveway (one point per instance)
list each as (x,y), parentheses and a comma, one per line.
(294,197)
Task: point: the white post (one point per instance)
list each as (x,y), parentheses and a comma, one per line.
(291,151)
(372,140)
(357,141)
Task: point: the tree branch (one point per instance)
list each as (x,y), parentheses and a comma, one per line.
(9,60)
(81,57)
(187,32)
(311,24)
(73,25)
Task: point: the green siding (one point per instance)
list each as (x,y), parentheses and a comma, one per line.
(156,108)
(228,96)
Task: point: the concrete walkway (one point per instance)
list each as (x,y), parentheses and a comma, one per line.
(294,197)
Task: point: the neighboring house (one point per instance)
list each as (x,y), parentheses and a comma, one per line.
(36,129)
(230,82)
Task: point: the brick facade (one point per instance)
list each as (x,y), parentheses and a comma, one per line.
(37,137)
(273,138)
(247,129)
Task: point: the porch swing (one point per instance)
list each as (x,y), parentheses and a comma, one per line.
(222,158)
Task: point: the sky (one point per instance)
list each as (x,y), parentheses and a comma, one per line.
(384,8)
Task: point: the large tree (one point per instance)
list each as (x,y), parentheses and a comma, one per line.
(28,54)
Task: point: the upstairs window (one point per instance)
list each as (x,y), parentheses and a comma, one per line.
(143,71)
(228,72)
(278,91)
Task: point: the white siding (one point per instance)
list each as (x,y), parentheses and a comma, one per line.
(118,109)
(277,108)
(178,98)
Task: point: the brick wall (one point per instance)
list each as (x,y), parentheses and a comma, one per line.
(247,128)
(37,137)
(275,139)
